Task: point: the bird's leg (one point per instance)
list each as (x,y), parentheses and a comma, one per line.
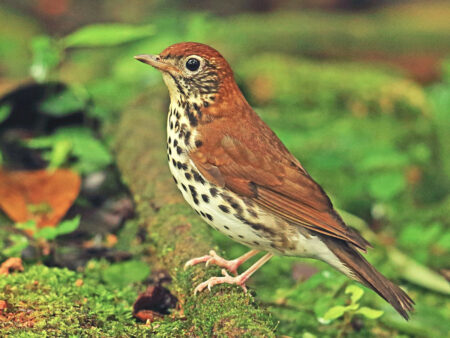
(237,280)
(214,258)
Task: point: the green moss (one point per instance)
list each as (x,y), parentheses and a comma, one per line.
(50,301)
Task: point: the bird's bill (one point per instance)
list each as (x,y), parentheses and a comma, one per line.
(156,62)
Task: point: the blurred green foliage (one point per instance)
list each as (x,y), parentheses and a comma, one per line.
(378,142)
(90,154)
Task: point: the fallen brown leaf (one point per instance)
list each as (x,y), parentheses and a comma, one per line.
(42,196)
(3,305)
(10,265)
(153,303)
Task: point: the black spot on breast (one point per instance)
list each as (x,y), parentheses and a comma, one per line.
(205,198)
(202,213)
(205,104)
(224,208)
(171,125)
(252,213)
(170,151)
(169,140)
(255,226)
(184,187)
(208,216)
(226,227)
(179,150)
(178,115)
(240,236)
(198,143)
(198,178)
(175,180)
(197,109)
(175,142)
(188,176)
(177,126)
(213,192)
(187,137)
(196,201)
(232,202)
(181,165)
(192,118)
(236,206)
(255,242)
(193,191)
(174,163)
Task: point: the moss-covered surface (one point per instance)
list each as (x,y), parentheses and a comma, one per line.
(56,302)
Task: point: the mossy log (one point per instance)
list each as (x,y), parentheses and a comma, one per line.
(176,233)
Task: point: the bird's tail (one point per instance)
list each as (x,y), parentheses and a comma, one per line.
(362,271)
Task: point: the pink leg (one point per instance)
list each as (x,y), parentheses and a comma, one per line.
(214,258)
(237,280)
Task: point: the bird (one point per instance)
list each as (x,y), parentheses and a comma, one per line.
(234,171)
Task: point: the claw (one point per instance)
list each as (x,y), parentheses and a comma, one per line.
(214,259)
(231,266)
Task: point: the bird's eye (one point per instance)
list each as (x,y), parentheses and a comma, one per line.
(192,64)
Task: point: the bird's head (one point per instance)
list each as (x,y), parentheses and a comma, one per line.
(192,70)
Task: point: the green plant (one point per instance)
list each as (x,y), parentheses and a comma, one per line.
(354,308)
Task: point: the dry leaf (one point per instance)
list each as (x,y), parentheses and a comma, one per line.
(154,303)
(10,265)
(42,196)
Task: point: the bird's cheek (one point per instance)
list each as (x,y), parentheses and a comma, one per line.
(171,85)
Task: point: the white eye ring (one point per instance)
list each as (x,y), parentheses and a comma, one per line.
(192,63)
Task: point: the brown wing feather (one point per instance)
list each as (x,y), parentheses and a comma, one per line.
(250,160)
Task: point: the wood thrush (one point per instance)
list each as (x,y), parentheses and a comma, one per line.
(240,178)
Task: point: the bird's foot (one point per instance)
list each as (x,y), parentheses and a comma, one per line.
(236,280)
(214,258)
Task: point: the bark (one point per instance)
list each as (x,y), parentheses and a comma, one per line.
(176,233)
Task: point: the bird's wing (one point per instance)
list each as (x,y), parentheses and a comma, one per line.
(261,168)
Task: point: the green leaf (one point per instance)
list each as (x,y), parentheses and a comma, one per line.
(335,312)
(60,154)
(28,225)
(91,154)
(125,273)
(68,226)
(65,227)
(308,335)
(19,243)
(386,186)
(355,291)
(369,313)
(5,110)
(101,35)
(64,103)
(46,56)
(48,233)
